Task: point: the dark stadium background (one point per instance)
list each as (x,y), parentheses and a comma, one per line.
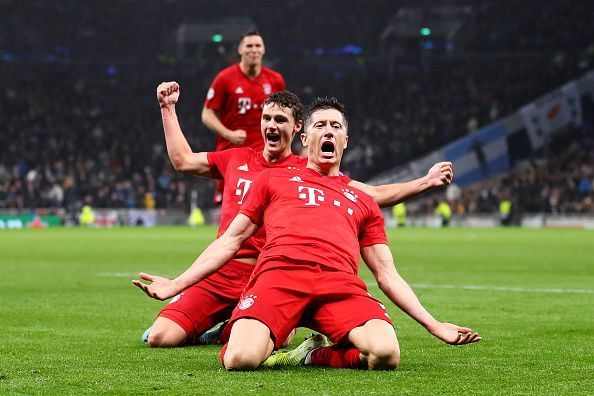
(80,124)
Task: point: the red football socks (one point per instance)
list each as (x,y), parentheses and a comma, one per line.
(334,356)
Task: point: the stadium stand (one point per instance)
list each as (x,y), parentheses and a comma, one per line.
(80,122)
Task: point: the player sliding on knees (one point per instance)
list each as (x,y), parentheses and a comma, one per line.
(190,314)
(307,273)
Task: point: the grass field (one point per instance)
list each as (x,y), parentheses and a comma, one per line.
(70,320)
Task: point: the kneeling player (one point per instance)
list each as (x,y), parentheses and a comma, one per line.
(307,272)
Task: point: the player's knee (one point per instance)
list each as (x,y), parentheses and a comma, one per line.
(161,339)
(241,360)
(386,358)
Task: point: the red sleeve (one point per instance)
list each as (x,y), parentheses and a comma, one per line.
(217,93)
(373,231)
(218,162)
(257,199)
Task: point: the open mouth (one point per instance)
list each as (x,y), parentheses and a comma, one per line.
(272,137)
(328,148)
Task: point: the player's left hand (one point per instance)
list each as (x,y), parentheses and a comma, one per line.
(453,334)
(160,288)
(440,174)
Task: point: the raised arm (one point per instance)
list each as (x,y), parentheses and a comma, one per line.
(211,120)
(180,154)
(379,259)
(439,175)
(217,254)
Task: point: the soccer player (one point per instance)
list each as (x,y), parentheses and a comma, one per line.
(306,275)
(189,315)
(234,101)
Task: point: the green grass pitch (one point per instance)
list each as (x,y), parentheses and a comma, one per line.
(70,320)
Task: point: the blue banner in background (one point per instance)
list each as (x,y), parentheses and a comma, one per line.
(480,155)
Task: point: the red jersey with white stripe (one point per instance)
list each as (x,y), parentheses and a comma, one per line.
(311,218)
(239,167)
(239,99)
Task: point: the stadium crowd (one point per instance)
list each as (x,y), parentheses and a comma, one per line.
(80,123)
(561,182)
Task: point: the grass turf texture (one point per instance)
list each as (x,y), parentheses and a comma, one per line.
(71,320)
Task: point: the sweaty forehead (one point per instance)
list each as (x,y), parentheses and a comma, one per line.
(327,115)
(273,108)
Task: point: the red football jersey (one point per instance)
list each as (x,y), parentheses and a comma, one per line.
(238,167)
(239,101)
(313,218)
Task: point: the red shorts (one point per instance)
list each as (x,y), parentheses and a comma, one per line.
(330,302)
(210,301)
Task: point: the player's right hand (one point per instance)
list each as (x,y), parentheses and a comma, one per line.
(160,288)
(168,93)
(237,136)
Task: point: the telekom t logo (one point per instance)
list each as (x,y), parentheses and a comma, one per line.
(243,105)
(313,195)
(243,185)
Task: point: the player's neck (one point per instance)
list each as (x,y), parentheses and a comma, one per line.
(333,170)
(273,157)
(251,71)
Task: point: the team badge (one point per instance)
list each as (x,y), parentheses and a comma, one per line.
(210,94)
(267,89)
(247,302)
(351,196)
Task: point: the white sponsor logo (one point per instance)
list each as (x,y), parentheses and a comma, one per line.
(267,89)
(312,195)
(247,302)
(296,179)
(243,105)
(239,90)
(210,94)
(244,168)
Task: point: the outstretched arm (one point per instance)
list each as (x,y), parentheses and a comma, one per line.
(217,254)
(439,175)
(181,155)
(379,259)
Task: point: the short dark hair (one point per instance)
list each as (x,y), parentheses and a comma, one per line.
(287,99)
(323,104)
(249,33)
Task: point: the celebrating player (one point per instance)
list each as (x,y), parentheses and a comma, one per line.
(198,308)
(306,275)
(234,101)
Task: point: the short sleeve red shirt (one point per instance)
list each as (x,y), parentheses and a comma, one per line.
(239,167)
(239,99)
(313,218)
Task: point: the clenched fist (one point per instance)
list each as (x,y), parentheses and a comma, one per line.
(168,93)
